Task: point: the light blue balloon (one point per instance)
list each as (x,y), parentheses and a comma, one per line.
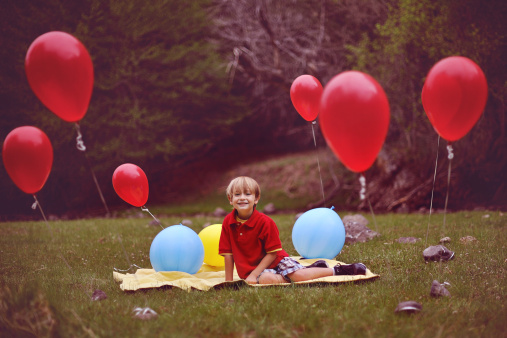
(177,248)
(318,233)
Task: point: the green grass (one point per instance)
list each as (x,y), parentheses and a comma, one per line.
(40,295)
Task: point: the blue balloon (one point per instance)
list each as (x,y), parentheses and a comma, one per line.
(319,233)
(177,248)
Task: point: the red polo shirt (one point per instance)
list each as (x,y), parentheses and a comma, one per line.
(249,242)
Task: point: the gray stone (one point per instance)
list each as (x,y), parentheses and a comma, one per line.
(439,290)
(144,313)
(99,295)
(269,209)
(186,222)
(445,240)
(437,253)
(219,212)
(409,306)
(356,229)
(409,240)
(468,239)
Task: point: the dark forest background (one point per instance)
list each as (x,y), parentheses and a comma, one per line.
(185,89)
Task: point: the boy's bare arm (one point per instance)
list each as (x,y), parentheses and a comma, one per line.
(229,267)
(265,262)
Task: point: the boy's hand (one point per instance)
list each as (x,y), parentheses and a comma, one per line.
(251,279)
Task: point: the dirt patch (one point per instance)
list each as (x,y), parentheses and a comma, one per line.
(294,175)
(295,179)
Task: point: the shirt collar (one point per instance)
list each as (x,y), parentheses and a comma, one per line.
(250,221)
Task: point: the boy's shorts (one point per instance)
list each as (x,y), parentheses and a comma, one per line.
(287,265)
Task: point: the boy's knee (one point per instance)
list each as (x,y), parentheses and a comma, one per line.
(271,278)
(297,276)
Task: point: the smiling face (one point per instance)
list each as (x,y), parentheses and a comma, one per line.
(243,194)
(244,202)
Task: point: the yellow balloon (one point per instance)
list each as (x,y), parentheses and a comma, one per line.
(210,237)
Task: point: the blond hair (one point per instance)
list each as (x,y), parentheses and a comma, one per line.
(243,183)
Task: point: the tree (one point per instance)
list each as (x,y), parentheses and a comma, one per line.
(270,43)
(160,97)
(416,35)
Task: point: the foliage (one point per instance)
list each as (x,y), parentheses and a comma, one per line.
(182,88)
(269,43)
(415,36)
(37,283)
(160,97)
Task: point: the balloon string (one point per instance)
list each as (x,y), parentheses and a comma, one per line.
(79,139)
(318,163)
(37,204)
(82,147)
(34,206)
(450,156)
(98,187)
(363,196)
(432,191)
(126,257)
(372,215)
(362,179)
(362,192)
(131,265)
(143,208)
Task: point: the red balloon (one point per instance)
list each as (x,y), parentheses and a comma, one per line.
(60,72)
(305,94)
(131,184)
(454,96)
(354,118)
(28,157)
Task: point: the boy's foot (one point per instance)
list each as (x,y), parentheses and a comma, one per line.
(319,264)
(350,269)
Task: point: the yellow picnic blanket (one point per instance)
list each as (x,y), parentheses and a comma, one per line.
(209,277)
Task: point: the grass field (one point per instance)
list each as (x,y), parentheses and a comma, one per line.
(40,295)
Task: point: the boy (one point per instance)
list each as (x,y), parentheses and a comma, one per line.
(251,240)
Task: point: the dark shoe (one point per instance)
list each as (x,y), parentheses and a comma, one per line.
(319,264)
(350,269)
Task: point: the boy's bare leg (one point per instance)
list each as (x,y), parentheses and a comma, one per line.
(309,273)
(271,278)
